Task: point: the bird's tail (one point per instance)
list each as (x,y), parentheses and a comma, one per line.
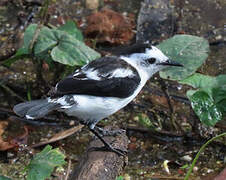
(35,109)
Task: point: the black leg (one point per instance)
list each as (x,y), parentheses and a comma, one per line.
(107,145)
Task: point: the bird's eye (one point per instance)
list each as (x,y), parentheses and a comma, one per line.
(151,60)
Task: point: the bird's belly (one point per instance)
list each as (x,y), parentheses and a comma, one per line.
(93,108)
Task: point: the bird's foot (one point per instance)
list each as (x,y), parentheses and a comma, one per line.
(120,152)
(115,132)
(108,147)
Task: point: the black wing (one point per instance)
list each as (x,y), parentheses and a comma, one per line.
(107,76)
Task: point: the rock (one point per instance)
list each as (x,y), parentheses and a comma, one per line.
(155,21)
(204,18)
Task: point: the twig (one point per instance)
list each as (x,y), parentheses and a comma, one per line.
(165,177)
(7,56)
(35,37)
(68,170)
(59,136)
(12,92)
(43,14)
(172,116)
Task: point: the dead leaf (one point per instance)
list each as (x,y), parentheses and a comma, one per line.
(59,136)
(11,142)
(4,145)
(21,139)
(109,26)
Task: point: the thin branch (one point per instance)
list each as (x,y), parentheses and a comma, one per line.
(43,15)
(6,88)
(68,170)
(59,136)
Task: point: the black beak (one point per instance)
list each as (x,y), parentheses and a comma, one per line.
(170,62)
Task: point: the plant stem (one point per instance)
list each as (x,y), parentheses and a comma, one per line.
(200,151)
(43,15)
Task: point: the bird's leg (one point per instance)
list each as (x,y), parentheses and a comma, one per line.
(107,145)
(104,132)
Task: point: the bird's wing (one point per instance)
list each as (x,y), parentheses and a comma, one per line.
(107,76)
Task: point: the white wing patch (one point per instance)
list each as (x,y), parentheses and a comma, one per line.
(89,74)
(76,73)
(62,101)
(29,117)
(122,73)
(117,73)
(96,75)
(92,74)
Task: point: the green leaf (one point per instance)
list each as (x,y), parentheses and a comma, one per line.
(191,51)
(42,165)
(72,52)
(206,83)
(219,95)
(4,178)
(71,28)
(145,121)
(209,101)
(62,45)
(205,107)
(222,106)
(119,178)
(46,39)
(28,35)
(221,80)
(200,81)
(190,93)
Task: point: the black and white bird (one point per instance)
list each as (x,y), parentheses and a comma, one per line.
(101,87)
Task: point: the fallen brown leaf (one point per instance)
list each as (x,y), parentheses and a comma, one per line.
(4,145)
(21,139)
(109,26)
(59,136)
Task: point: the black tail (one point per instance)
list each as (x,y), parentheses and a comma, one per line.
(35,109)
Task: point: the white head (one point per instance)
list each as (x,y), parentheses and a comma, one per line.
(148,58)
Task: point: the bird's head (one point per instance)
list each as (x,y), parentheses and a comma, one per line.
(149,58)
